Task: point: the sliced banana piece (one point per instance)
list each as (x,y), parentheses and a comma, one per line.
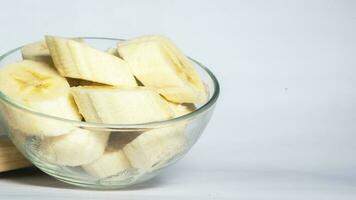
(111,105)
(113,161)
(36,51)
(38,87)
(158,63)
(76,60)
(181,109)
(153,148)
(124,105)
(73,149)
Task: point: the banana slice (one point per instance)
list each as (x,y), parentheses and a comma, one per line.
(111,105)
(181,109)
(113,161)
(158,63)
(153,148)
(76,60)
(37,51)
(125,105)
(73,149)
(37,86)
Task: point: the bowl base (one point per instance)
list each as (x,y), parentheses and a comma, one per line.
(110,183)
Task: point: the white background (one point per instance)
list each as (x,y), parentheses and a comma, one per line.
(284,126)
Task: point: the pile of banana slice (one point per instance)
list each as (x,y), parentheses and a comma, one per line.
(144,79)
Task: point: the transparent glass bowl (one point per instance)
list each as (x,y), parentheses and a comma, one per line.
(193,125)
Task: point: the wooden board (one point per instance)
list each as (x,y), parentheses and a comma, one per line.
(10,157)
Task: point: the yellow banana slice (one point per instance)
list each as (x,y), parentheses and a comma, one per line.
(181,109)
(152,149)
(73,149)
(37,51)
(158,63)
(37,86)
(77,60)
(125,105)
(113,161)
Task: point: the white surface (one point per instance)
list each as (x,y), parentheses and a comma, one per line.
(284,127)
(188,183)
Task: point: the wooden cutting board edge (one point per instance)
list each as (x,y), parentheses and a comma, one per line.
(11,158)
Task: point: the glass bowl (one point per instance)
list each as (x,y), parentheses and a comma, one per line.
(189,126)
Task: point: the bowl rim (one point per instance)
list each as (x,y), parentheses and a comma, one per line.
(202,109)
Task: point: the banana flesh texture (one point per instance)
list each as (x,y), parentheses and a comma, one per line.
(181,109)
(114,160)
(139,105)
(155,147)
(37,86)
(73,149)
(158,63)
(37,51)
(125,106)
(77,60)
